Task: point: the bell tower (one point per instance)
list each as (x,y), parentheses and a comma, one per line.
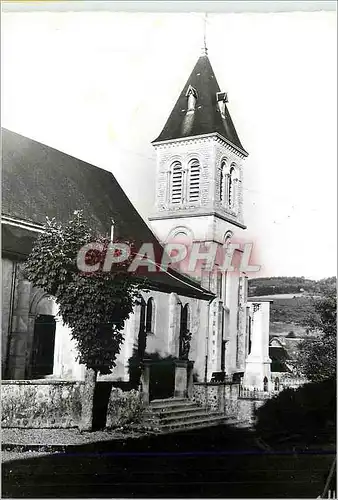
(199,196)
(199,163)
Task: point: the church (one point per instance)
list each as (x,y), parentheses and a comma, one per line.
(206,321)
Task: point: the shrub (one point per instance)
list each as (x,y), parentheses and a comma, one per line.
(308,412)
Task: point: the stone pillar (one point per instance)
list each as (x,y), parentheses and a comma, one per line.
(181,379)
(19,356)
(190,379)
(221,398)
(145,381)
(88,392)
(258,363)
(241,325)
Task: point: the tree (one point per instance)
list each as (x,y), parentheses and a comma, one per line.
(95,305)
(316,358)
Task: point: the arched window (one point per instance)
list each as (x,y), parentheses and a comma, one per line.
(232,188)
(276,384)
(150,316)
(222,181)
(176,184)
(185,334)
(185,318)
(265,384)
(142,337)
(227,237)
(194,180)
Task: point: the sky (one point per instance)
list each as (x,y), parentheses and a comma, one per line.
(100,86)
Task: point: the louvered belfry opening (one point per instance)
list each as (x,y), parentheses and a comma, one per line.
(221,182)
(176,183)
(194,180)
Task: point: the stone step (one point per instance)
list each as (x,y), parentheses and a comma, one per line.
(158,412)
(165,403)
(180,416)
(181,410)
(196,417)
(194,424)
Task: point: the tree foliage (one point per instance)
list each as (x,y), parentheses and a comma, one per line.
(308,412)
(317,357)
(94,305)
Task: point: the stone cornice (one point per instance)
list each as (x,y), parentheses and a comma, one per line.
(201,138)
(199,214)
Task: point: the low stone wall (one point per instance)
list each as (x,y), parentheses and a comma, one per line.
(40,403)
(125,408)
(210,395)
(225,397)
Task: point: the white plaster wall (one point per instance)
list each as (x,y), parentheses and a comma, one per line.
(164,339)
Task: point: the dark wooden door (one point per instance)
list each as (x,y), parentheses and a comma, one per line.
(43,346)
(162,380)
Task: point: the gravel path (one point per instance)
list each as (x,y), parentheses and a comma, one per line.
(24,437)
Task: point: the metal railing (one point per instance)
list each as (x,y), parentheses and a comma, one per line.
(245,393)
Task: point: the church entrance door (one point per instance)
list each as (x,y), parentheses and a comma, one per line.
(162,379)
(43,346)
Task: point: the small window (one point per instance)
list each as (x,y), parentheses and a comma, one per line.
(191,94)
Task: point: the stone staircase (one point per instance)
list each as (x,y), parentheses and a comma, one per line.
(181,414)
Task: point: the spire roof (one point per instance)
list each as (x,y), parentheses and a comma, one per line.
(203,116)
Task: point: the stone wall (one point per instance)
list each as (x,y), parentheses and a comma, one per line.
(41,403)
(126,409)
(225,397)
(208,395)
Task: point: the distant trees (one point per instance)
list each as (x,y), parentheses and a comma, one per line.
(293,309)
(287,284)
(317,357)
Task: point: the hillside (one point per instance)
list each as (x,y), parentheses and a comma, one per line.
(288,285)
(293,299)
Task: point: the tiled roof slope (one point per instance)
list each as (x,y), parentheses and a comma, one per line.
(206,118)
(39,181)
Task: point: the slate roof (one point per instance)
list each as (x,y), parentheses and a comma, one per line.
(39,181)
(206,118)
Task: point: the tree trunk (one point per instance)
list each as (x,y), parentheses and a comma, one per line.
(88,400)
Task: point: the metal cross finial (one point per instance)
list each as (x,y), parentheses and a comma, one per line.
(204,49)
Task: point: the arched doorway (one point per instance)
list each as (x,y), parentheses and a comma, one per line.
(43,346)
(43,309)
